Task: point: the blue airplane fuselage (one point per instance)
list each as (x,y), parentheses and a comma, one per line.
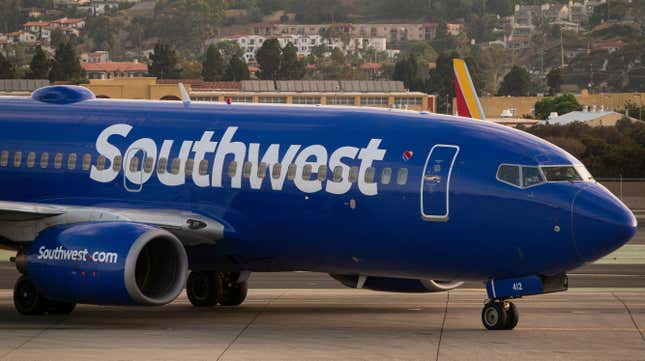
(483,229)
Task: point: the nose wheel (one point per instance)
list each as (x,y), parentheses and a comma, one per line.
(500,315)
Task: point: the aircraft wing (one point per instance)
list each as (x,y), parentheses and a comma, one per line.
(21,222)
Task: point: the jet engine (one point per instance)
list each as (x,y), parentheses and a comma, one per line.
(114,263)
(390,284)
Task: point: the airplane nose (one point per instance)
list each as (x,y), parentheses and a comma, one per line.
(601,223)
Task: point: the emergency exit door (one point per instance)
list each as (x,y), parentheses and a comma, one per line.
(435,185)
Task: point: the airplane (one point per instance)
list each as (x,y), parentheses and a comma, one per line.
(129,202)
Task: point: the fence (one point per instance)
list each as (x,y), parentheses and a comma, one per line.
(630,190)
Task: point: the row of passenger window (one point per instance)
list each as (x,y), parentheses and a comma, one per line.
(71,163)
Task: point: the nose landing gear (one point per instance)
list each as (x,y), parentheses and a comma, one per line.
(500,315)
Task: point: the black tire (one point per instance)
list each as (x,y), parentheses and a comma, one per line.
(494,316)
(204,289)
(27,299)
(513,316)
(60,308)
(234,294)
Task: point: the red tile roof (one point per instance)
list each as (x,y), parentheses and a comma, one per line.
(115,66)
(68,20)
(36,23)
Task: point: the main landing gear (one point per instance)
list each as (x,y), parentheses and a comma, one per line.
(500,315)
(208,288)
(28,301)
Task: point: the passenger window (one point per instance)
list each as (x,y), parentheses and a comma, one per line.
(17,159)
(277,171)
(246,169)
(203,167)
(147,164)
(262,170)
(291,171)
(386,175)
(189,167)
(116,163)
(306,172)
(353,174)
(232,169)
(402,176)
(370,174)
(338,173)
(509,174)
(87,160)
(100,161)
(31,159)
(134,164)
(71,161)
(174,167)
(4,158)
(531,176)
(58,161)
(162,165)
(44,160)
(322,173)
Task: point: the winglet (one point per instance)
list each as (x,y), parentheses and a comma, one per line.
(185,98)
(468,104)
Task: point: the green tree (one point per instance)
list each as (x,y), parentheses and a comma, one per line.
(58,37)
(7,69)
(39,66)
(164,62)
(10,15)
(516,83)
(102,30)
(291,68)
(237,70)
(554,80)
(66,66)
(229,49)
(441,81)
(187,23)
(213,65)
(561,104)
(407,71)
(268,57)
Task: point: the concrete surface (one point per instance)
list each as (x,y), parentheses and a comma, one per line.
(305,324)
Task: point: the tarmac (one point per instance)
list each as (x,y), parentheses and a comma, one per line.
(309,316)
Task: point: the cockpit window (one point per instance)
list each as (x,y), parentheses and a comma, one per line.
(509,174)
(566,173)
(531,176)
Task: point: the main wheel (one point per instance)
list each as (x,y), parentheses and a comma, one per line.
(494,316)
(204,288)
(26,299)
(234,294)
(513,316)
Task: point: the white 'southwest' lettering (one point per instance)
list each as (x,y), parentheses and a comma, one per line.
(208,151)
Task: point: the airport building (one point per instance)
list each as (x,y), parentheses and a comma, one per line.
(381,94)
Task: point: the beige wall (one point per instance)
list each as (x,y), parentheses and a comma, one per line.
(133,88)
(493,106)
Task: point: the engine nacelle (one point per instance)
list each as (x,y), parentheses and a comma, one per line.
(108,263)
(389,284)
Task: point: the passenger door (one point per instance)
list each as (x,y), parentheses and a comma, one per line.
(435,185)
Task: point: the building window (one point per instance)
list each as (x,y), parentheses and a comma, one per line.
(241,99)
(306,100)
(340,100)
(408,101)
(373,100)
(274,99)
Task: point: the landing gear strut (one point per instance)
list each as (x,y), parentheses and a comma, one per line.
(207,289)
(500,315)
(28,301)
